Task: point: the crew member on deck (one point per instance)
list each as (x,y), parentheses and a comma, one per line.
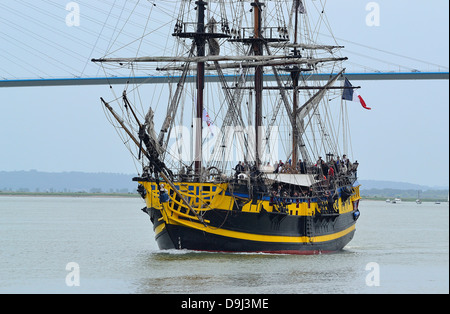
(239,169)
(163,194)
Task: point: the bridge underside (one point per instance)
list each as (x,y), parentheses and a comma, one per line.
(213,78)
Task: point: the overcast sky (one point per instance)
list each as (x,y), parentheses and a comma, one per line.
(404,138)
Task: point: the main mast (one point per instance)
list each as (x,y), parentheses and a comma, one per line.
(257,47)
(295,76)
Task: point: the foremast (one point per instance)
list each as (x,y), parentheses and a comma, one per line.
(201,47)
(200,37)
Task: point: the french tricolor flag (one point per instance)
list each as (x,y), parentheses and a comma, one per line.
(351,94)
(208,121)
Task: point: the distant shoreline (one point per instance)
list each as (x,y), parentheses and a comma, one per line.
(68,194)
(405,199)
(130,195)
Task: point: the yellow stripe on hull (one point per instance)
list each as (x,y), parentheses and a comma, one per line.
(263,238)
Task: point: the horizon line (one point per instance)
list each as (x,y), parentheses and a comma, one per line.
(134,174)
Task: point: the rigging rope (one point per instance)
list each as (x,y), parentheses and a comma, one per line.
(45,16)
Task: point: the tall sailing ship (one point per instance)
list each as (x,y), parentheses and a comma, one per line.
(251,153)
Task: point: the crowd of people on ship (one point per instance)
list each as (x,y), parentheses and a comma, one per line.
(288,193)
(323,171)
(326,169)
(328,173)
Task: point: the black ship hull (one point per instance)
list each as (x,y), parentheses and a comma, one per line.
(270,233)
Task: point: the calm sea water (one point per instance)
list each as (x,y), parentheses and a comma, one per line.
(112,242)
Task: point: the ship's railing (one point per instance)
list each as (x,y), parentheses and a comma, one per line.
(309,205)
(198,195)
(356,195)
(269,33)
(206,196)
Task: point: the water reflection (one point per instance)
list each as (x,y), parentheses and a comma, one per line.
(190,272)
